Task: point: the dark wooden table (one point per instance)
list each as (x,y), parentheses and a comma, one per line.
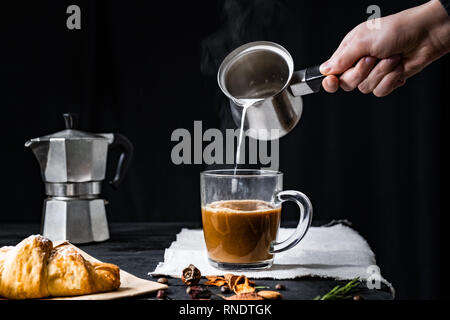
(138,247)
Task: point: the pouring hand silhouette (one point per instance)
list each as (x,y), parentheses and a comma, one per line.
(381,60)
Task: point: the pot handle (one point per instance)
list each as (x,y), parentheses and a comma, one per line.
(127,149)
(306,81)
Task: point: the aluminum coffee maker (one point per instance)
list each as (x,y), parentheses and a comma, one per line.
(73,166)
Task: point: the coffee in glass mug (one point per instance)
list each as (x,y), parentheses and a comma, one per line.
(241,215)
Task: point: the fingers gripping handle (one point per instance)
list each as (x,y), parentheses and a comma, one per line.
(303,225)
(306,81)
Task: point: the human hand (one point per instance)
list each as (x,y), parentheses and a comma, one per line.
(381,60)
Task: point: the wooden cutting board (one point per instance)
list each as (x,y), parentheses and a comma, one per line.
(130,286)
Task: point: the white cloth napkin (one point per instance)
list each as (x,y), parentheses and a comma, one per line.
(337,252)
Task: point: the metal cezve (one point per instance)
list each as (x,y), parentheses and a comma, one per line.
(261,76)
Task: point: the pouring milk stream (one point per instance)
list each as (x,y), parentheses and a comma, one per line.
(264,91)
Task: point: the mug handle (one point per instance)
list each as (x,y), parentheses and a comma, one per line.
(304,223)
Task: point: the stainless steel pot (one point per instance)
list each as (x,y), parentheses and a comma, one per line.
(260,77)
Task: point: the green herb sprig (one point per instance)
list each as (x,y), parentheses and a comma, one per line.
(340,292)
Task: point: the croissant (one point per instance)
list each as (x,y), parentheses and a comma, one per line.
(34,269)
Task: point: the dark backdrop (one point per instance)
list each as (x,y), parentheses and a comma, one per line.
(145,68)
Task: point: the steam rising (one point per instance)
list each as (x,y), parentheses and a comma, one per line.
(243,21)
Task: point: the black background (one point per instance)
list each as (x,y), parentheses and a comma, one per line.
(145,68)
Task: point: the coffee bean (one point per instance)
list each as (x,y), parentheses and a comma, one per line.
(280,286)
(225,289)
(161,295)
(199,292)
(163,280)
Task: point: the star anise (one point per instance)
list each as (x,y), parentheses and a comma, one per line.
(191,275)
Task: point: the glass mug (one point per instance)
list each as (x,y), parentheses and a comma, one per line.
(241,214)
